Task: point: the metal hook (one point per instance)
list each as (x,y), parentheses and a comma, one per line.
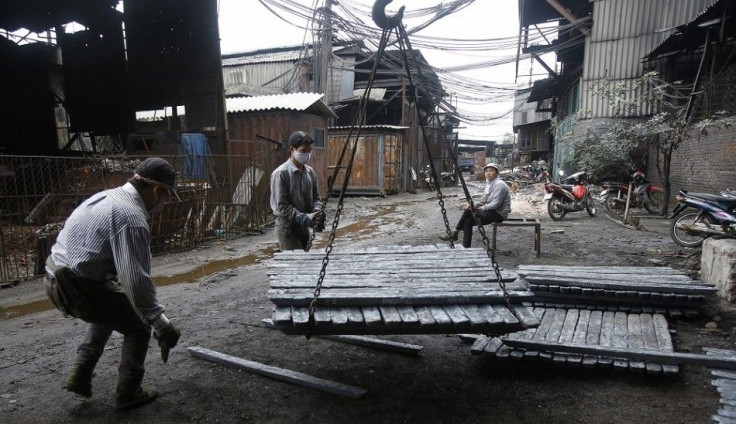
(380,18)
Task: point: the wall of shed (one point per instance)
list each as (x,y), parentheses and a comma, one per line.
(257,79)
(173,49)
(623,32)
(378,165)
(244,127)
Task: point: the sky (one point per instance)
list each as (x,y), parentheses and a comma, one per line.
(247,25)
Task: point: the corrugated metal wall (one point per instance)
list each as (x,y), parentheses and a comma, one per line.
(262,78)
(623,32)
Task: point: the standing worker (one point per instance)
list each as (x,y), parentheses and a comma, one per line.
(295,195)
(99,271)
(493,206)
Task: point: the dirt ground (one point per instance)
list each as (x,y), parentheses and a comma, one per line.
(217,295)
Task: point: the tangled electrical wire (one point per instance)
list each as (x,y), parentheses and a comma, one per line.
(350,23)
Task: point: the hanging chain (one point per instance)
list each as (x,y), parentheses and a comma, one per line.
(404,38)
(341,200)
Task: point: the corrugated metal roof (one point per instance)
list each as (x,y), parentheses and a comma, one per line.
(268,57)
(624,31)
(690,35)
(293,101)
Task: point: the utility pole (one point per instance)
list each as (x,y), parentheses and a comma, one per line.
(322,59)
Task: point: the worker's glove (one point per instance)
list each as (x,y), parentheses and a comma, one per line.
(167,338)
(306,219)
(319,219)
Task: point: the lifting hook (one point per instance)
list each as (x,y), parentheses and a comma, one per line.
(379,15)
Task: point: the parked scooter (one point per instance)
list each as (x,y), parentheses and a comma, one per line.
(447,179)
(644,194)
(571,196)
(714,216)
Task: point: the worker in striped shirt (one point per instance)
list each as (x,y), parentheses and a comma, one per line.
(99,271)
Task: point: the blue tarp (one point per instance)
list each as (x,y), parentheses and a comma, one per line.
(197,150)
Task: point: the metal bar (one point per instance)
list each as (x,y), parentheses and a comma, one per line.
(711,361)
(280,374)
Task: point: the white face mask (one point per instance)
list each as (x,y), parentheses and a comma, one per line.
(302,157)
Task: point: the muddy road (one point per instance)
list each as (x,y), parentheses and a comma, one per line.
(217,296)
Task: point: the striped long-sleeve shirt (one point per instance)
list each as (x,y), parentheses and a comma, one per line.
(108,235)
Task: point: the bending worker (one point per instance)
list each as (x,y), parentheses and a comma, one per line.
(493,206)
(295,195)
(99,271)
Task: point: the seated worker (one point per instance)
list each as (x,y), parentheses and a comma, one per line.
(493,206)
(294,195)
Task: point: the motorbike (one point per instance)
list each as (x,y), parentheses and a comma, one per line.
(714,216)
(644,194)
(447,179)
(572,195)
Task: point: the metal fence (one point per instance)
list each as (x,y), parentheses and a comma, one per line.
(221,196)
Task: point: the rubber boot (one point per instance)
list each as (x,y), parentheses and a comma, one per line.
(79,380)
(125,401)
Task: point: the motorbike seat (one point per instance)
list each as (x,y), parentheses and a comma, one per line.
(728,201)
(567,187)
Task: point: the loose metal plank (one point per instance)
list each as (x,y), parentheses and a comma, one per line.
(713,361)
(649,340)
(439,315)
(354,315)
(620,338)
(282,315)
(456,314)
(280,374)
(479,345)
(635,341)
(390,315)
(472,312)
(664,341)
(371,315)
(339,316)
(408,316)
(579,335)
(424,315)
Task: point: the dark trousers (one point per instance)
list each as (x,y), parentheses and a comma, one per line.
(466,223)
(109,310)
(293,236)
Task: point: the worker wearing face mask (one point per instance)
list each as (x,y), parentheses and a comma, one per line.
(295,196)
(99,271)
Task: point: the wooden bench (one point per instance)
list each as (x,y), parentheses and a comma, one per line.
(521,222)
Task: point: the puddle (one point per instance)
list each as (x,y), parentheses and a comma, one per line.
(212,267)
(28,308)
(364,227)
(188,277)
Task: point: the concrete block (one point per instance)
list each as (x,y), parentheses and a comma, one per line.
(718,266)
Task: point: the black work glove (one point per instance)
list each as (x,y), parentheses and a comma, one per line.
(167,338)
(306,219)
(319,220)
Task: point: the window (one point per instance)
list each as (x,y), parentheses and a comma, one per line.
(526,139)
(542,138)
(319,137)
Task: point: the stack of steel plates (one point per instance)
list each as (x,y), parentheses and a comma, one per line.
(661,290)
(396,290)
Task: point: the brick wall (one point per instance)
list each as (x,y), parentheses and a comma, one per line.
(704,163)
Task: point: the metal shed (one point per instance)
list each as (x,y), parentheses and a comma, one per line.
(379,162)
